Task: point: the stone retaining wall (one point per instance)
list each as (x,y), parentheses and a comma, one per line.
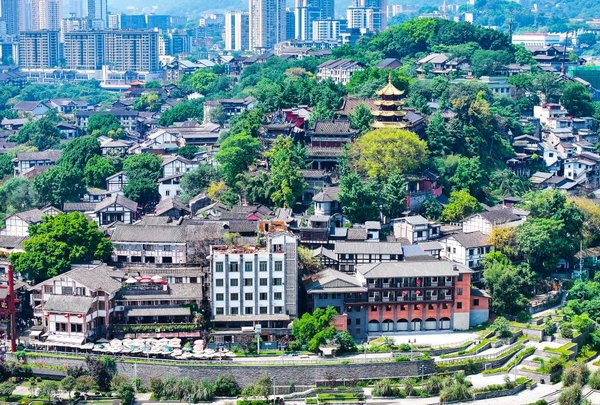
(282,375)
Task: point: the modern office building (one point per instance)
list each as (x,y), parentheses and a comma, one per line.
(252,284)
(306,11)
(39,49)
(84,50)
(9,10)
(267,20)
(132,22)
(131,51)
(176,43)
(98,11)
(236,31)
(158,21)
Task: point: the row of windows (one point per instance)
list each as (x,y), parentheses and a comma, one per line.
(248,266)
(248,296)
(63,327)
(248,310)
(404,307)
(248,282)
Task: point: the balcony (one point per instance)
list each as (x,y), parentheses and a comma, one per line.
(419,298)
(448,283)
(373,299)
(448,297)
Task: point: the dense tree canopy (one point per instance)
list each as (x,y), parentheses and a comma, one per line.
(358,198)
(181,112)
(236,154)
(79,151)
(59,184)
(286,160)
(42,134)
(100,124)
(58,242)
(382,152)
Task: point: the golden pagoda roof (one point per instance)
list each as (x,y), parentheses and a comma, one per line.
(389,124)
(389,103)
(390,89)
(382,113)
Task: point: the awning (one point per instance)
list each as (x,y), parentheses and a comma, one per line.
(58,340)
(177,311)
(35,333)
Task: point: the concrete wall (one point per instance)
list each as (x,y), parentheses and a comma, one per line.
(281,375)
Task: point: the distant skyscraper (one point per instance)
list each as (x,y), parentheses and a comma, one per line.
(327,30)
(267,20)
(133,22)
(290,24)
(75,8)
(84,50)
(136,51)
(98,11)
(38,49)
(162,22)
(306,11)
(25,15)
(236,31)
(49,14)
(9,9)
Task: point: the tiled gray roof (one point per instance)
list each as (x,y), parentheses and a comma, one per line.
(119,200)
(330,280)
(471,239)
(11,242)
(51,155)
(500,216)
(79,206)
(77,304)
(141,233)
(328,194)
(32,216)
(425,268)
(335,127)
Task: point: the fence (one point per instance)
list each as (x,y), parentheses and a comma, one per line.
(495,355)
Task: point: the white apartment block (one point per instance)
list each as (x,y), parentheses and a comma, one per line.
(267,23)
(236,31)
(255,284)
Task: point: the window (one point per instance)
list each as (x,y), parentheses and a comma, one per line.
(167,248)
(167,259)
(263,296)
(278,310)
(248,282)
(48,289)
(278,266)
(178,280)
(219,282)
(264,281)
(219,311)
(262,266)
(476,302)
(459,305)
(193,280)
(263,310)
(430,306)
(220,297)
(233,282)
(234,296)
(67,291)
(79,290)
(459,291)
(76,327)
(235,311)
(357,321)
(277,281)
(277,296)
(219,267)
(61,327)
(101,305)
(248,296)
(248,310)
(460,277)
(373,308)
(233,267)
(248,266)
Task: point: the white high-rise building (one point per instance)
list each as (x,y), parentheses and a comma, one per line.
(49,14)
(367,15)
(98,11)
(9,9)
(267,21)
(236,31)
(327,30)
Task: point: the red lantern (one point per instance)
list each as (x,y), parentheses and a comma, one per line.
(419,280)
(79,316)
(404,292)
(67,315)
(418,292)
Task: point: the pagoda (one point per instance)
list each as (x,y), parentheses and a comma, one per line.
(389,112)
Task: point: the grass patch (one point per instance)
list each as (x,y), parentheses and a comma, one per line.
(476,361)
(472,350)
(565,350)
(527,352)
(526,326)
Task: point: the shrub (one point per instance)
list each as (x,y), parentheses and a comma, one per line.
(570,396)
(226,386)
(502,327)
(385,388)
(404,347)
(594,380)
(433,385)
(566,330)
(402,358)
(523,316)
(575,374)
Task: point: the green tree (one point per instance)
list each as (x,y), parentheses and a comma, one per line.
(188,151)
(144,192)
(314,329)
(148,102)
(438,138)
(85,384)
(59,184)
(308,262)
(543,242)
(227,386)
(143,166)
(487,62)
(6,164)
(202,81)
(461,205)
(102,124)
(502,327)
(468,175)
(218,115)
(286,159)
(577,100)
(361,118)
(358,198)
(236,154)
(393,196)
(96,170)
(381,152)
(126,393)
(346,342)
(571,396)
(42,134)
(48,389)
(79,151)
(197,181)
(508,285)
(181,112)
(67,384)
(6,389)
(58,242)
(17,194)
(505,183)
(548,85)
(431,209)
(257,187)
